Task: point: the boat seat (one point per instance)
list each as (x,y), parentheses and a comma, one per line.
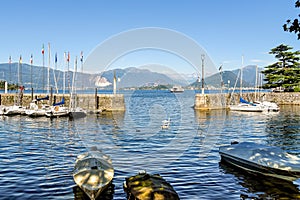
(94,167)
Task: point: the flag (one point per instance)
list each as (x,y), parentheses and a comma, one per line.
(43,50)
(20,59)
(55,57)
(220,68)
(31,59)
(68,58)
(81,56)
(9,60)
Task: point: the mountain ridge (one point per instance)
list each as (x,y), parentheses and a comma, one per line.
(128,77)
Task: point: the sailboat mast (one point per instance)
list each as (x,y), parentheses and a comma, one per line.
(9,61)
(43,82)
(81,60)
(68,72)
(48,75)
(74,75)
(54,73)
(256,82)
(241,79)
(31,61)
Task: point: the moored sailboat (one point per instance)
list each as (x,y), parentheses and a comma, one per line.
(75,111)
(58,110)
(34,110)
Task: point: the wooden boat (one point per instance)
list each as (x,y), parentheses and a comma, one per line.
(262,159)
(93,172)
(148,187)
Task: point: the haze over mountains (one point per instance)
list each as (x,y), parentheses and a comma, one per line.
(127,78)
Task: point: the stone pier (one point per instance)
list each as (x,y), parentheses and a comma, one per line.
(222,101)
(90,102)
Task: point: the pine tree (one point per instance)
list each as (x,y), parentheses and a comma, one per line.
(285,72)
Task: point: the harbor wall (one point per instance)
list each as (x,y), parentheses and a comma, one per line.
(90,102)
(222,101)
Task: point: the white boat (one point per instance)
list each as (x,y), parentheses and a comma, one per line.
(176,89)
(166,124)
(34,110)
(245,106)
(2,108)
(267,106)
(58,110)
(13,110)
(93,172)
(262,159)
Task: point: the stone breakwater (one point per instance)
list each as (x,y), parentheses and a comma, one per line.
(90,102)
(222,101)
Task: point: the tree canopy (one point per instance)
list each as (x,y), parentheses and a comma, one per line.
(293,25)
(285,72)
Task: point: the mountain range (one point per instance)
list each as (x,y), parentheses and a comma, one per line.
(37,77)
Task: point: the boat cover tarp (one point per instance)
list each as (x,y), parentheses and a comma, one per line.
(60,103)
(148,187)
(247,102)
(264,155)
(43,98)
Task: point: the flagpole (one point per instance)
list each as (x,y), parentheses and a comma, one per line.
(68,72)
(31,61)
(64,75)
(20,71)
(202,58)
(82,78)
(54,73)
(43,82)
(48,74)
(9,61)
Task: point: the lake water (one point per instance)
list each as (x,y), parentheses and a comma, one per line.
(38,155)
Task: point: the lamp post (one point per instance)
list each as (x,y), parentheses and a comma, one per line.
(202,58)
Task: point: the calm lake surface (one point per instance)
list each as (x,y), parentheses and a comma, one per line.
(38,155)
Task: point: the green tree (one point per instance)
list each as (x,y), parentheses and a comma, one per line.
(293,26)
(285,72)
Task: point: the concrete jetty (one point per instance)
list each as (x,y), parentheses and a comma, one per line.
(222,101)
(90,102)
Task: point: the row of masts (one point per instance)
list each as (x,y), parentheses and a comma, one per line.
(65,72)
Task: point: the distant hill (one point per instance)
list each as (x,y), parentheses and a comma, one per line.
(135,77)
(129,77)
(232,78)
(249,74)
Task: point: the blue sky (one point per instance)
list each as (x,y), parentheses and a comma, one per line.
(225,29)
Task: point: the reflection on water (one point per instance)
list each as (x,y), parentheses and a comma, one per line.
(107,194)
(260,187)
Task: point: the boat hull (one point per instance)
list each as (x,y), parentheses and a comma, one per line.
(93,173)
(286,173)
(246,108)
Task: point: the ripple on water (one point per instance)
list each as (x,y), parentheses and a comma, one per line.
(37,157)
